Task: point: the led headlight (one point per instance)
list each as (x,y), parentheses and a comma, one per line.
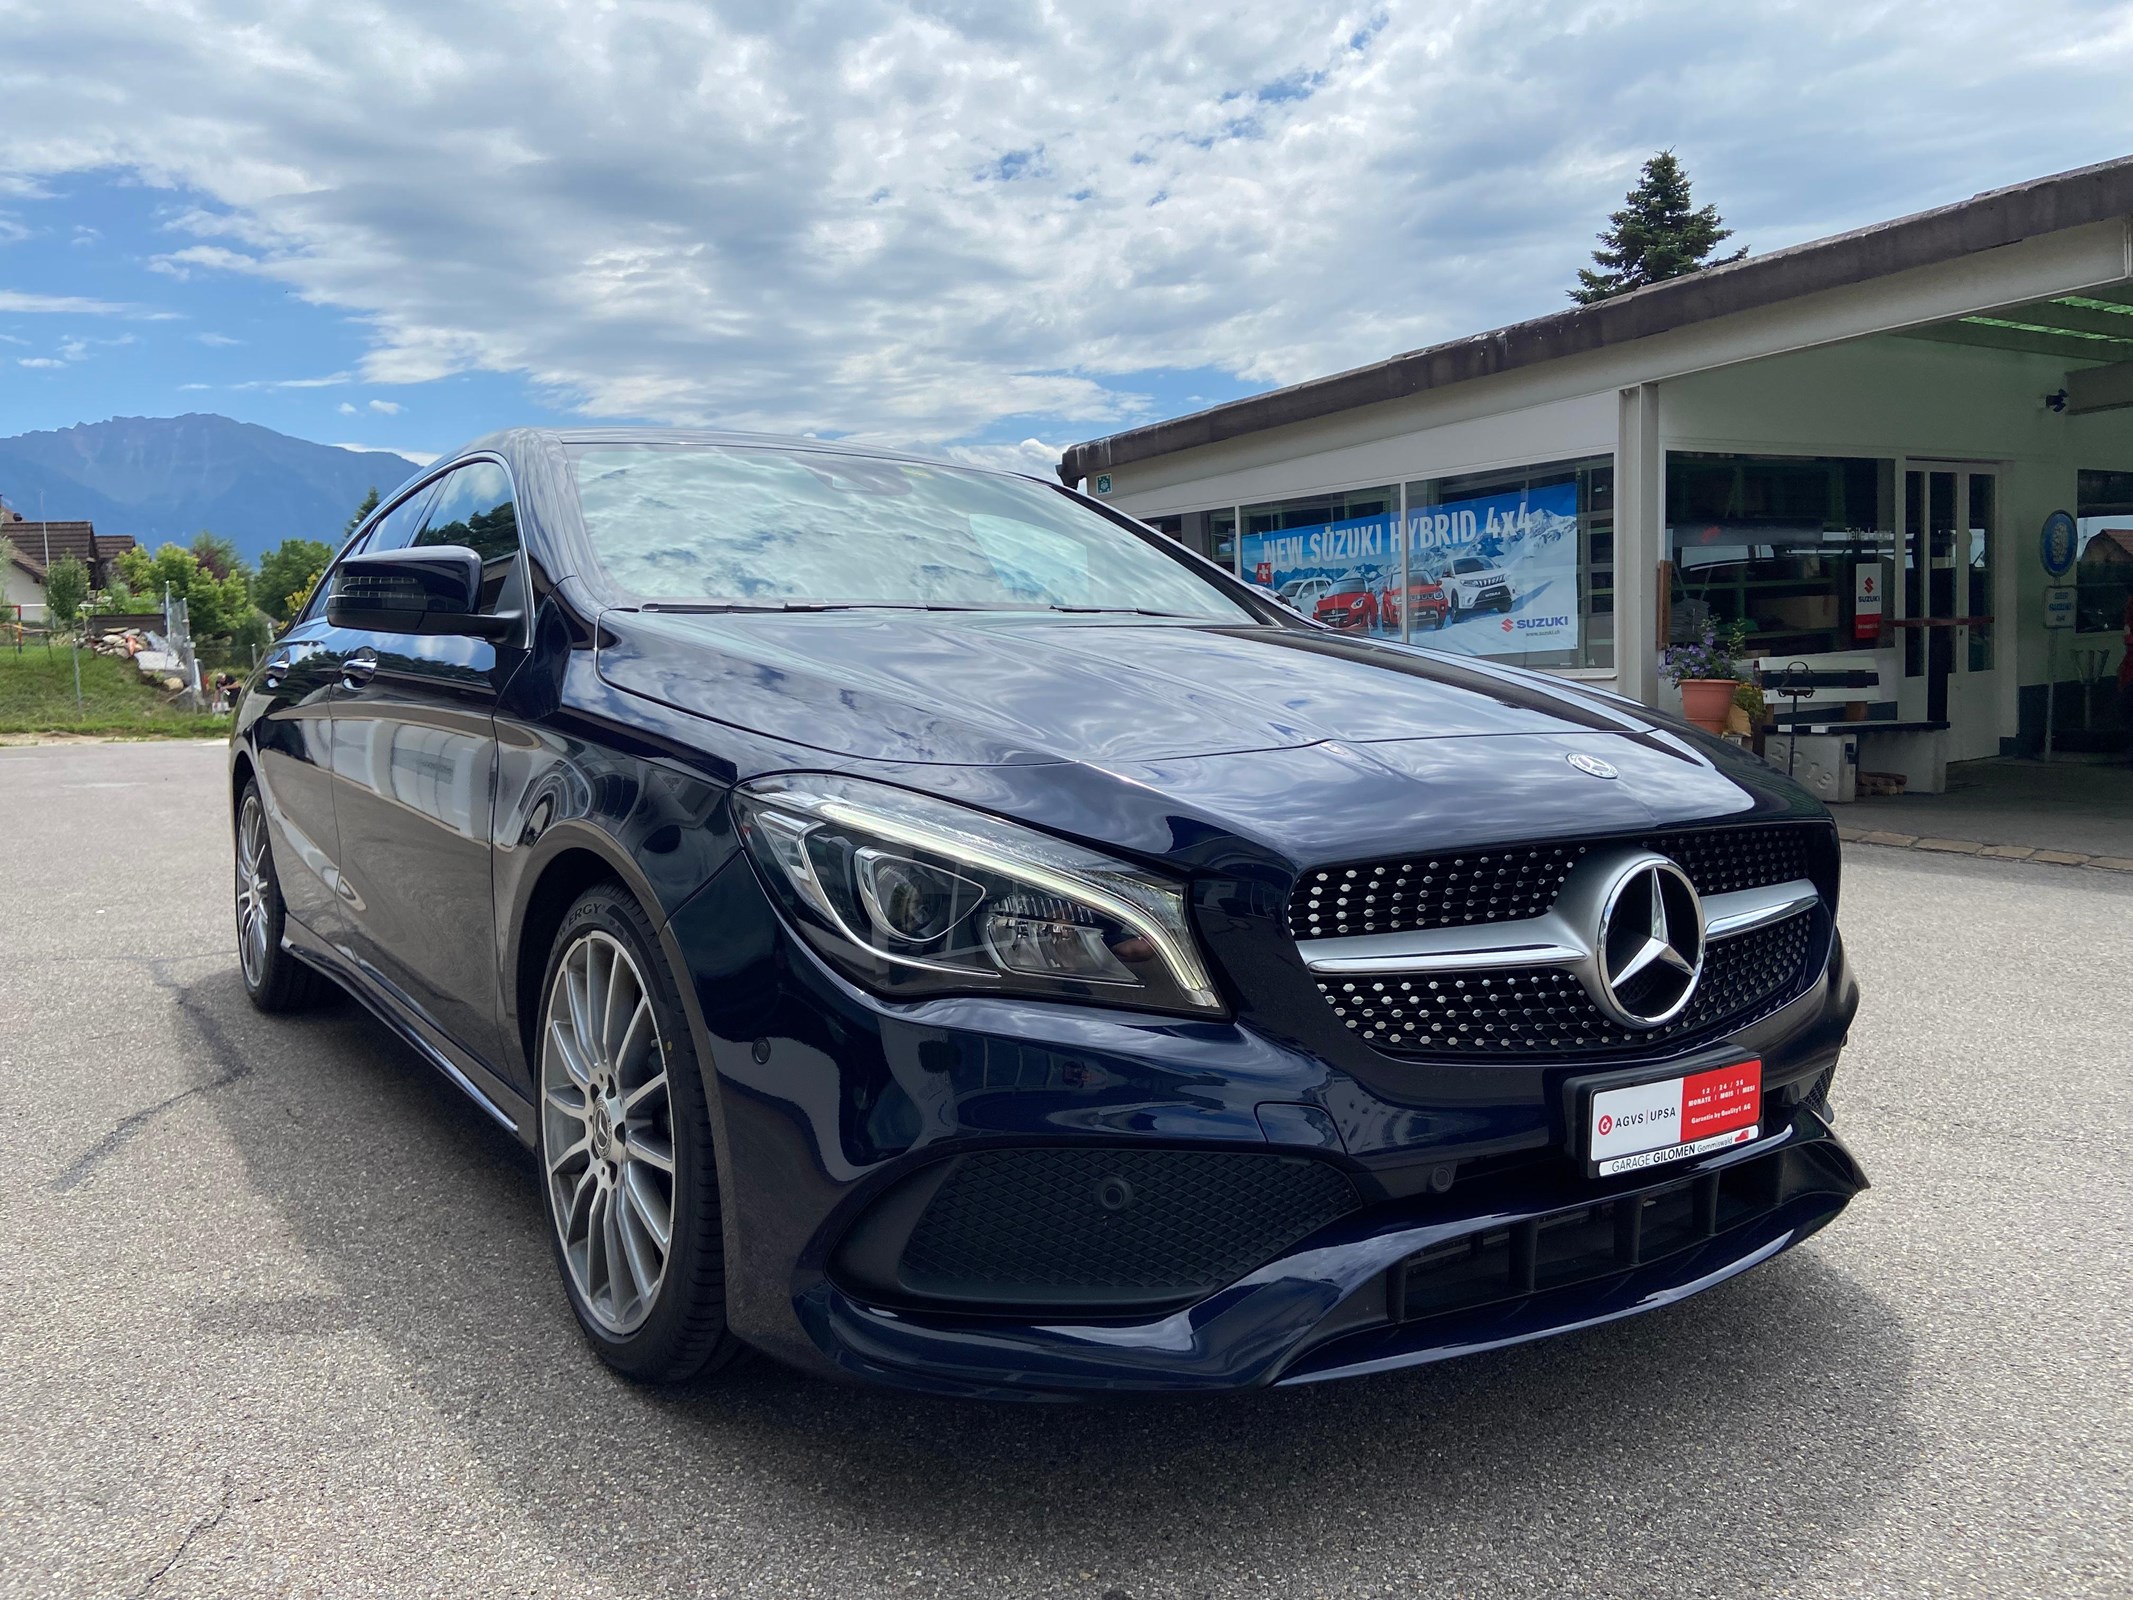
(914,896)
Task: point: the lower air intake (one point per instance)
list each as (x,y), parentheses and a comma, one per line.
(1096,1227)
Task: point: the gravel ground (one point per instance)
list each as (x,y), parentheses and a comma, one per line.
(279,1318)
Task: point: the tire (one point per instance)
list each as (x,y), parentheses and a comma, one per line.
(625,1134)
(274,979)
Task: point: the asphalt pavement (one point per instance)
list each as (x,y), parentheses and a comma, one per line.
(277,1316)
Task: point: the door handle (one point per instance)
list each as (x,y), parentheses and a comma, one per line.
(358,669)
(277,664)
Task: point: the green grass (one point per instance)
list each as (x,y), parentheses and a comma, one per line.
(37,696)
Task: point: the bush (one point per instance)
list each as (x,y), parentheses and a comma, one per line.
(217,605)
(66,586)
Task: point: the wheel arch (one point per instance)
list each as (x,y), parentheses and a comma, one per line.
(241,773)
(556,888)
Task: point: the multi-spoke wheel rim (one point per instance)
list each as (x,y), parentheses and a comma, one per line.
(607,1129)
(252,891)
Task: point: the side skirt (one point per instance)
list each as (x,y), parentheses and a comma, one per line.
(511,1110)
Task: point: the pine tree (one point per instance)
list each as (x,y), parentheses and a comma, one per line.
(370,504)
(1655,236)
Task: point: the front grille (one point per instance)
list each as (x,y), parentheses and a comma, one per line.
(1530,1011)
(1464,888)
(1080,1226)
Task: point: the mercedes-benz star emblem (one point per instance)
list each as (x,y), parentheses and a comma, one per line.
(1650,943)
(1592,765)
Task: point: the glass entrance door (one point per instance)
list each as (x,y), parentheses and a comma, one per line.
(1950,560)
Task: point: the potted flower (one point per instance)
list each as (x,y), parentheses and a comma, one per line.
(1707,671)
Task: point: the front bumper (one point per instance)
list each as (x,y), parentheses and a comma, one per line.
(1393,1286)
(828,1103)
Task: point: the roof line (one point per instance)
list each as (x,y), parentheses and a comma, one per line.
(1996,217)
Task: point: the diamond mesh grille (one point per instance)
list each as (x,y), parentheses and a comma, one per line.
(1460,889)
(1529,1011)
(1027,1224)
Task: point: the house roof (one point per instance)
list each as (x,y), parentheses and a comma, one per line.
(1983,222)
(2109,547)
(59,539)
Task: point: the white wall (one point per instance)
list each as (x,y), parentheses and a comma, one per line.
(20,589)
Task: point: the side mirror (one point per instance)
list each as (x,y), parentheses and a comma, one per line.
(431,589)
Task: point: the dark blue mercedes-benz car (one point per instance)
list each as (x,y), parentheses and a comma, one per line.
(931,928)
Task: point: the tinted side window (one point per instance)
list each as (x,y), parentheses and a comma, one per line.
(474,508)
(396,530)
(316,605)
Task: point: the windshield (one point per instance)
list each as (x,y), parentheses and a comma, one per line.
(1469,564)
(770,527)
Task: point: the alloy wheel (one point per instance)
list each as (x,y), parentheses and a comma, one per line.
(607,1131)
(252,891)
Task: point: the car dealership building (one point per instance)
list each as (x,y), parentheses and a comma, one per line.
(1855,447)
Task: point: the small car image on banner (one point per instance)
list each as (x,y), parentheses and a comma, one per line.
(1492,575)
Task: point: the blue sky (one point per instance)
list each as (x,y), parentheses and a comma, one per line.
(157,344)
(983,226)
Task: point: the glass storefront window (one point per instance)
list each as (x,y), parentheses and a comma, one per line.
(1977,595)
(1522,562)
(1516,565)
(2103,565)
(1334,557)
(1777,543)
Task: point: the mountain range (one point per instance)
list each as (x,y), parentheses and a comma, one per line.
(167,478)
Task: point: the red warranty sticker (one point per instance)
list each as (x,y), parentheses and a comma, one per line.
(1649,1124)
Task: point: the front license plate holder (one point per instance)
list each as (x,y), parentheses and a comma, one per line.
(1628,1124)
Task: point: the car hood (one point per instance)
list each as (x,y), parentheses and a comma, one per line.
(998,689)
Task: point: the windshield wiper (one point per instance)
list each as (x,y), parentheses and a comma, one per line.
(1130,611)
(704,607)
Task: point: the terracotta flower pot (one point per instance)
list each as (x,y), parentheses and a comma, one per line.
(1705,702)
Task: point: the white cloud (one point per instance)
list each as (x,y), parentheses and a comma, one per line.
(386,408)
(185,386)
(218,340)
(918,222)
(330,380)
(345,409)
(64,305)
(39,363)
(420,458)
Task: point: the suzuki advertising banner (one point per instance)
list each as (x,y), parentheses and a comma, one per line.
(1491,575)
